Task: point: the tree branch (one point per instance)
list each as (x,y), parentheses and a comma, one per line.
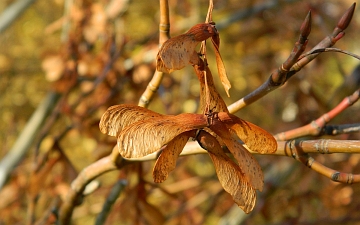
(110,200)
(316,127)
(75,194)
(12,12)
(295,62)
(164,29)
(299,150)
(296,149)
(26,138)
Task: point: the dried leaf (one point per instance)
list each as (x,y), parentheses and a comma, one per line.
(167,159)
(119,116)
(202,31)
(147,136)
(179,51)
(247,163)
(213,100)
(176,53)
(220,65)
(233,181)
(256,138)
(216,40)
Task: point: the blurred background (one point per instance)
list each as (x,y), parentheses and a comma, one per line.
(78,57)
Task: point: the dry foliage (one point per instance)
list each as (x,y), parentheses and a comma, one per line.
(141,132)
(94,62)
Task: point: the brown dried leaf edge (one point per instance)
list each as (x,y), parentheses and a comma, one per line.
(179,51)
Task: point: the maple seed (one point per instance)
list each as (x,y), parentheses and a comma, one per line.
(179,51)
(141,132)
(203,31)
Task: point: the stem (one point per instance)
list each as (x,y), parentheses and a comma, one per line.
(164,29)
(280,76)
(75,194)
(315,128)
(27,136)
(12,12)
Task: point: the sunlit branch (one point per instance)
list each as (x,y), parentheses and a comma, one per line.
(296,149)
(299,150)
(164,26)
(75,193)
(114,160)
(315,128)
(25,139)
(164,34)
(209,13)
(279,76)
(66,24)
(322,146)
(320,50)
(12,12)
(295,62)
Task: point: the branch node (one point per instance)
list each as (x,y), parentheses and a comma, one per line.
(335,176)
(164,28)
(310,161)
(316,126)
(322,147)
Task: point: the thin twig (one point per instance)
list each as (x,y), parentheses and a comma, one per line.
(114,160)
(74,196)
(65,23)
(49,216)
(312,146)
(25,139)
(164,25)
(315,128)
(341,129)
(279,76)
(12,12)
(290,67)
(209,13)
(296,149)
(110,200)
(164,29)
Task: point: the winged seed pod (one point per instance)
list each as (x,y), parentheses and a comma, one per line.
(140,132)
(179,51)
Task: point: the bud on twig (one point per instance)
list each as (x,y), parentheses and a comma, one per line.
(305,28)
(346,18)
